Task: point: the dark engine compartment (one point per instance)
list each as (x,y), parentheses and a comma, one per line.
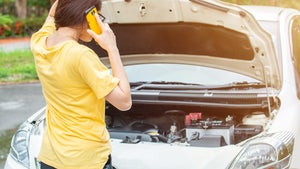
(181,124)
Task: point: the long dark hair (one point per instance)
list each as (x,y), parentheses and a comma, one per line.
(70,13)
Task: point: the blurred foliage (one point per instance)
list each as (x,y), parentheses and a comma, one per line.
(14,27)
(38,9)
(39,3)
(281,3)
(34,7)
(11,26)
(5,19)
(33,23)
(5,25)
(7,7)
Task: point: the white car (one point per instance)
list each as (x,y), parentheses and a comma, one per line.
(214,86)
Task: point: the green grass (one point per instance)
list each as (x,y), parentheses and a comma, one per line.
(17,66)
(5,140)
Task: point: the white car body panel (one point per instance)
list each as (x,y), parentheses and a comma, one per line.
(287,121)
(12,164)
(153,156)
(147,155)
(210,12)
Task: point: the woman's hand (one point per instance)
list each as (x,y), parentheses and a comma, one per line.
(53,9)
(120,97)
(107,39)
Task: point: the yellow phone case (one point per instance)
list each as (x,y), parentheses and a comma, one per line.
(90,15)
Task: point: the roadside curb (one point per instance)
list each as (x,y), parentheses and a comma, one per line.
(18,83)
(10,44)
(14,40)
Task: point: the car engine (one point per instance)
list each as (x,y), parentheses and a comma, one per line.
(200,129)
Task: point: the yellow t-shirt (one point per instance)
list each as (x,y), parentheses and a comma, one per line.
(74,83)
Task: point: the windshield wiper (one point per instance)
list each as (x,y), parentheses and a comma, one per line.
(237,85)
(173,83)
(166,85)
(245,84)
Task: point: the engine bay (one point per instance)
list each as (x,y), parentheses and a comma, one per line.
(203,128)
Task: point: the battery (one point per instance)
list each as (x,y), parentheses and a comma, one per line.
(194,133)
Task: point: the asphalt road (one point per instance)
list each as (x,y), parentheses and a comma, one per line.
(17,103)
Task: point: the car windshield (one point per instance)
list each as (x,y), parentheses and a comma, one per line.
(183,73)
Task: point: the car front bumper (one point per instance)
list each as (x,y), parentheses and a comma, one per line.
(13,164)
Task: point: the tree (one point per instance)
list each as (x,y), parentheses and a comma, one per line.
(52,1)
(21,8)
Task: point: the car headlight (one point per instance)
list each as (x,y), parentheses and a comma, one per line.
(271,151)
(19,144)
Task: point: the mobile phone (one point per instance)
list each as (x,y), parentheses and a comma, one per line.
(91,15)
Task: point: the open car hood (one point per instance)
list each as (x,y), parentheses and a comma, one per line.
(206,32)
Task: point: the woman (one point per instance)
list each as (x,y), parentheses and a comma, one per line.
(75,86)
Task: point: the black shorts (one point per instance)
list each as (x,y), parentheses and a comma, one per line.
(107,165)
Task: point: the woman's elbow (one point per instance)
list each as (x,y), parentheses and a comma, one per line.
(125,105)
(121,103)
(120,100)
